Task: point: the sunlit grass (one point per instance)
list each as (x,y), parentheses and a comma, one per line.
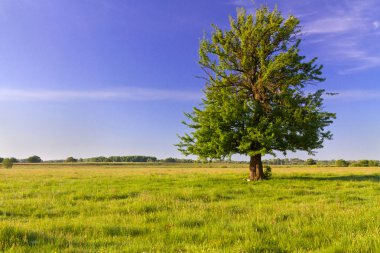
(188,209)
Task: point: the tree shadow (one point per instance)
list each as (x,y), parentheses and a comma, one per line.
(354,178)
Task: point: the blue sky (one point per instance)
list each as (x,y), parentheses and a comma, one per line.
(113,77)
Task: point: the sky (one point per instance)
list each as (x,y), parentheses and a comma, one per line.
(88,78)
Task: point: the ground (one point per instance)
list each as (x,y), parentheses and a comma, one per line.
(185,208)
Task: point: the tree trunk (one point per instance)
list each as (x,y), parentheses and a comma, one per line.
(256,168)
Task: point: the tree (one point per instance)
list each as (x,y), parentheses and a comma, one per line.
(34,159)
(311,161)
(341,163)
(364,163)
(7,163)
(14,160)
(256,100)
(170,160)
(71,160)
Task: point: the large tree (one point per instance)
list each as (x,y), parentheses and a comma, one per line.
(257,99)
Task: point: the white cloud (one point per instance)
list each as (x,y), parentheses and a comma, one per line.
(365,60)
(332,25)
(342,33)
(239,2)
(345,34)
(132,94)
(376,24)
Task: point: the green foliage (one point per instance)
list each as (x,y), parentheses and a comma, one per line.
(14,160)
(341,163)
(365,163)
(170,160)
(255,97)
(267,172)
(284,161)
(178,160)
(34,159)
(136,158)
(7,163)
(360,163)
(311,161)
(71,160)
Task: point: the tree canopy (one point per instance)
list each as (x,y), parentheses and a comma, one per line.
(257,99)
(34,159)
(7,163)
(71,159)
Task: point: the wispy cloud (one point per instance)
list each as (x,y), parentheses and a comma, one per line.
(343,33)
(376,24)
(353,52)
(333,25)
(129,94)
(143,94)
(347,34)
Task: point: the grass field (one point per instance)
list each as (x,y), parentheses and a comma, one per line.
(47,208)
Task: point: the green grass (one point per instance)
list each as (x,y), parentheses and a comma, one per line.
(47,208)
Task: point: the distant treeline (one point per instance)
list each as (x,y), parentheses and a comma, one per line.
(152,159)
(115,159)
(119,159)
(338,163)
(137,158)
(102,159)
(32,159)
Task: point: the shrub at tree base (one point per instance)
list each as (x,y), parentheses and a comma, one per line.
(267,172)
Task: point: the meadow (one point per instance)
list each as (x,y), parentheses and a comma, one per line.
(188,208)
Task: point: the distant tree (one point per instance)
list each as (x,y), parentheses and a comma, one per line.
(150,160)
(98,159)
(311,161)
(373,163)
(14,160)
(7,163)
(102,159)
(34,159)
(121,159)
(296,161)
(364,163)
(360,163)
(1,159)
(255,98)
(115,159)
(71,160)
(341,163)
(326,162)
(170,160)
